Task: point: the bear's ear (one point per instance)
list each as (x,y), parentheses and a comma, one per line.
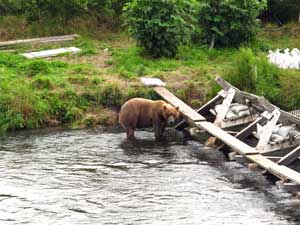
(177,107)
(165,107)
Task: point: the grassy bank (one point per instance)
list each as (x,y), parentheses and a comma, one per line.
(87,89)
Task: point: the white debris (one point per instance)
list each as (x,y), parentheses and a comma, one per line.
(285,59)
(235,111)
(50,53)
(152,81)
(280,133)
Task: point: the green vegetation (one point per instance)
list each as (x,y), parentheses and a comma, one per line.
(87,89)
(160,27)
(229,23)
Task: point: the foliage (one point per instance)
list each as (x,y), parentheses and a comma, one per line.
(61,11)
(32,68)
(160,27)
(229,23)
(254,74)
(283,10)
(111,95)
(20,106)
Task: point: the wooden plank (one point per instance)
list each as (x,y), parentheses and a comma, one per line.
(188,113)
(246,131)
(268,149)
(226,86)
(280,171)
(237,145)
(268,129)
(289,187)
(241,159)
(221,113)
(40,40)
(259,101)
(238,122)
(203,109)
(290,158)
(50,53)
(225,106)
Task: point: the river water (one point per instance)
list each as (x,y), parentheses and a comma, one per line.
(95,177)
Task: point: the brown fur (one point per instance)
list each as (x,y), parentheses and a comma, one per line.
(142,113)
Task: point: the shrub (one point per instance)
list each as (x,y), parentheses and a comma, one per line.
(111,95)
(243,75)
(229,23)
(256,75)
(159,26)
(21,106)
(290,84)
(284,11)
(141,92)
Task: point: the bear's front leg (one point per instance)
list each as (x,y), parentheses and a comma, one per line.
(158,131)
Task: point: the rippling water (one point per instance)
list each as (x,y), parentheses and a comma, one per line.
(95,177)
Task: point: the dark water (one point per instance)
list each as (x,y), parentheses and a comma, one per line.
(94,177)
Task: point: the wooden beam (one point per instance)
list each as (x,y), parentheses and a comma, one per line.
(188,113)
(246,131)
(259,101)
(280,171)
(225,106)
(237,145)
(238,122)
(203,109)
(289,187)
(287,145)
(241,159)
(290,158)
(268,129)
(40,40)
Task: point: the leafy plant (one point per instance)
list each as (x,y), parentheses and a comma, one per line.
(160,27)
(229,23)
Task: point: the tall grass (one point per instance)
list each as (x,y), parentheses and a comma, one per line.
(253,73)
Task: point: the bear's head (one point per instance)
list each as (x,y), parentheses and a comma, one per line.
(170,114)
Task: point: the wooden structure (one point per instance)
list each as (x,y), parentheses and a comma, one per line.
(275,158)
(61,38)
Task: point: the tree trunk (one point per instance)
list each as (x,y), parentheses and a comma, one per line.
(212,42)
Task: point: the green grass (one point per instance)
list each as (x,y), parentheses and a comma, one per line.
(87,89)
(131,62)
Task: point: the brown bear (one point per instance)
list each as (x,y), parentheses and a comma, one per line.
(142,113)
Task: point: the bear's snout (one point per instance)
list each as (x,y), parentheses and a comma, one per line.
(171,120)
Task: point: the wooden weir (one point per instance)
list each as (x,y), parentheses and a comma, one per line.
(266,115)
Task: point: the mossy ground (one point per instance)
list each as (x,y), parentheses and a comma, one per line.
(87,89)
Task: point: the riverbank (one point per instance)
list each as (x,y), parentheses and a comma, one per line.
(87,89)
